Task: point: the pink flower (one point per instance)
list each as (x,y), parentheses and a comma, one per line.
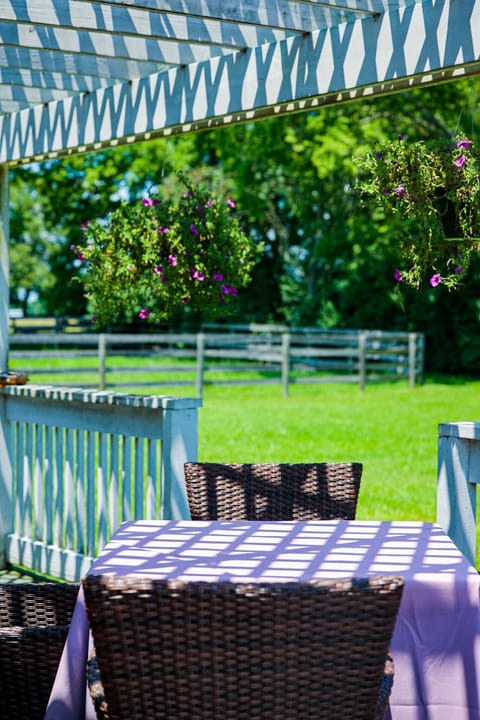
(85,224)
(397,275)
(148,202)
(172,260)
(197,275)
(461,161)
(401,190)
(464,144)
(144,314)
(435,280)
(230,203)
(163,230)
(158,269)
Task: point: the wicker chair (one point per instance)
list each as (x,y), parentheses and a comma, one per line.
(34,621)
(318,491)
(211,651)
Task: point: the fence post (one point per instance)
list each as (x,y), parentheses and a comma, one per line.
(412,359)
(200,364)
(6,483)
(102,361)
(179,445)
(285,362)
(362,359)
(4,264)
(458,476)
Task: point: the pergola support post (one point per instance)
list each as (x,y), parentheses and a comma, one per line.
(4,264)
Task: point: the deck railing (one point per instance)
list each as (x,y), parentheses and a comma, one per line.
(458,477)
(74,464)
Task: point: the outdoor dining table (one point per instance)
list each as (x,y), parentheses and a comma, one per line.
(436,641)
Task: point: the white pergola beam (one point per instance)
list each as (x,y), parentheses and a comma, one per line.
(422,42)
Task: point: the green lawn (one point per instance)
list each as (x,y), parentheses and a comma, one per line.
(390,428)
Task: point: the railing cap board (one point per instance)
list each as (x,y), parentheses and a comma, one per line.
(49,392)
(466,430)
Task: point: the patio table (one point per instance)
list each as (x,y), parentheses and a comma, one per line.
(436,642)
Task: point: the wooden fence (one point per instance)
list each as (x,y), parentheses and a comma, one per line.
(276,354)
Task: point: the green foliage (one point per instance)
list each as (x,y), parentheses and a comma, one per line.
(151,256)
(422,184)
(328,260)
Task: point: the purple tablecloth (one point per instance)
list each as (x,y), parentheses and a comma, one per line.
(436,643)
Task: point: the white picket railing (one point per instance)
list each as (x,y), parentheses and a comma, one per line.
(458,477)
(75,463)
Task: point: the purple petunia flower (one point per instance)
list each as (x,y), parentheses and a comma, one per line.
(230,203)
(461,161)
(401,190)
(464,144)
(217,276)
(435,280)
(158,269)
(458,269)
(193,230)
(228,289)
(172,260)
(196,275)
(397,275)
(163,230)
(85,224)
(148,202)
(144,314)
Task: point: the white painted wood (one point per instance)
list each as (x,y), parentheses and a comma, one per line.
(181,442)
(139,486)
(91,461)
(69,485)
(73,471)
(9,511)
(458,476)
(4,264)
(80,489)
(229,63)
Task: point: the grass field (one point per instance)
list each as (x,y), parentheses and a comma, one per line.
(390,428)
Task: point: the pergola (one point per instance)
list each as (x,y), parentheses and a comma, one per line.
(80,75)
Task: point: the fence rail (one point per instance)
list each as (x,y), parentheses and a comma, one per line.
(284,356)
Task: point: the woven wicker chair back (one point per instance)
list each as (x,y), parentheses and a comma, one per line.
(222,650)
(317,491)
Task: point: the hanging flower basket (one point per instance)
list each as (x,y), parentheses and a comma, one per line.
(433,188)
(153,256)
